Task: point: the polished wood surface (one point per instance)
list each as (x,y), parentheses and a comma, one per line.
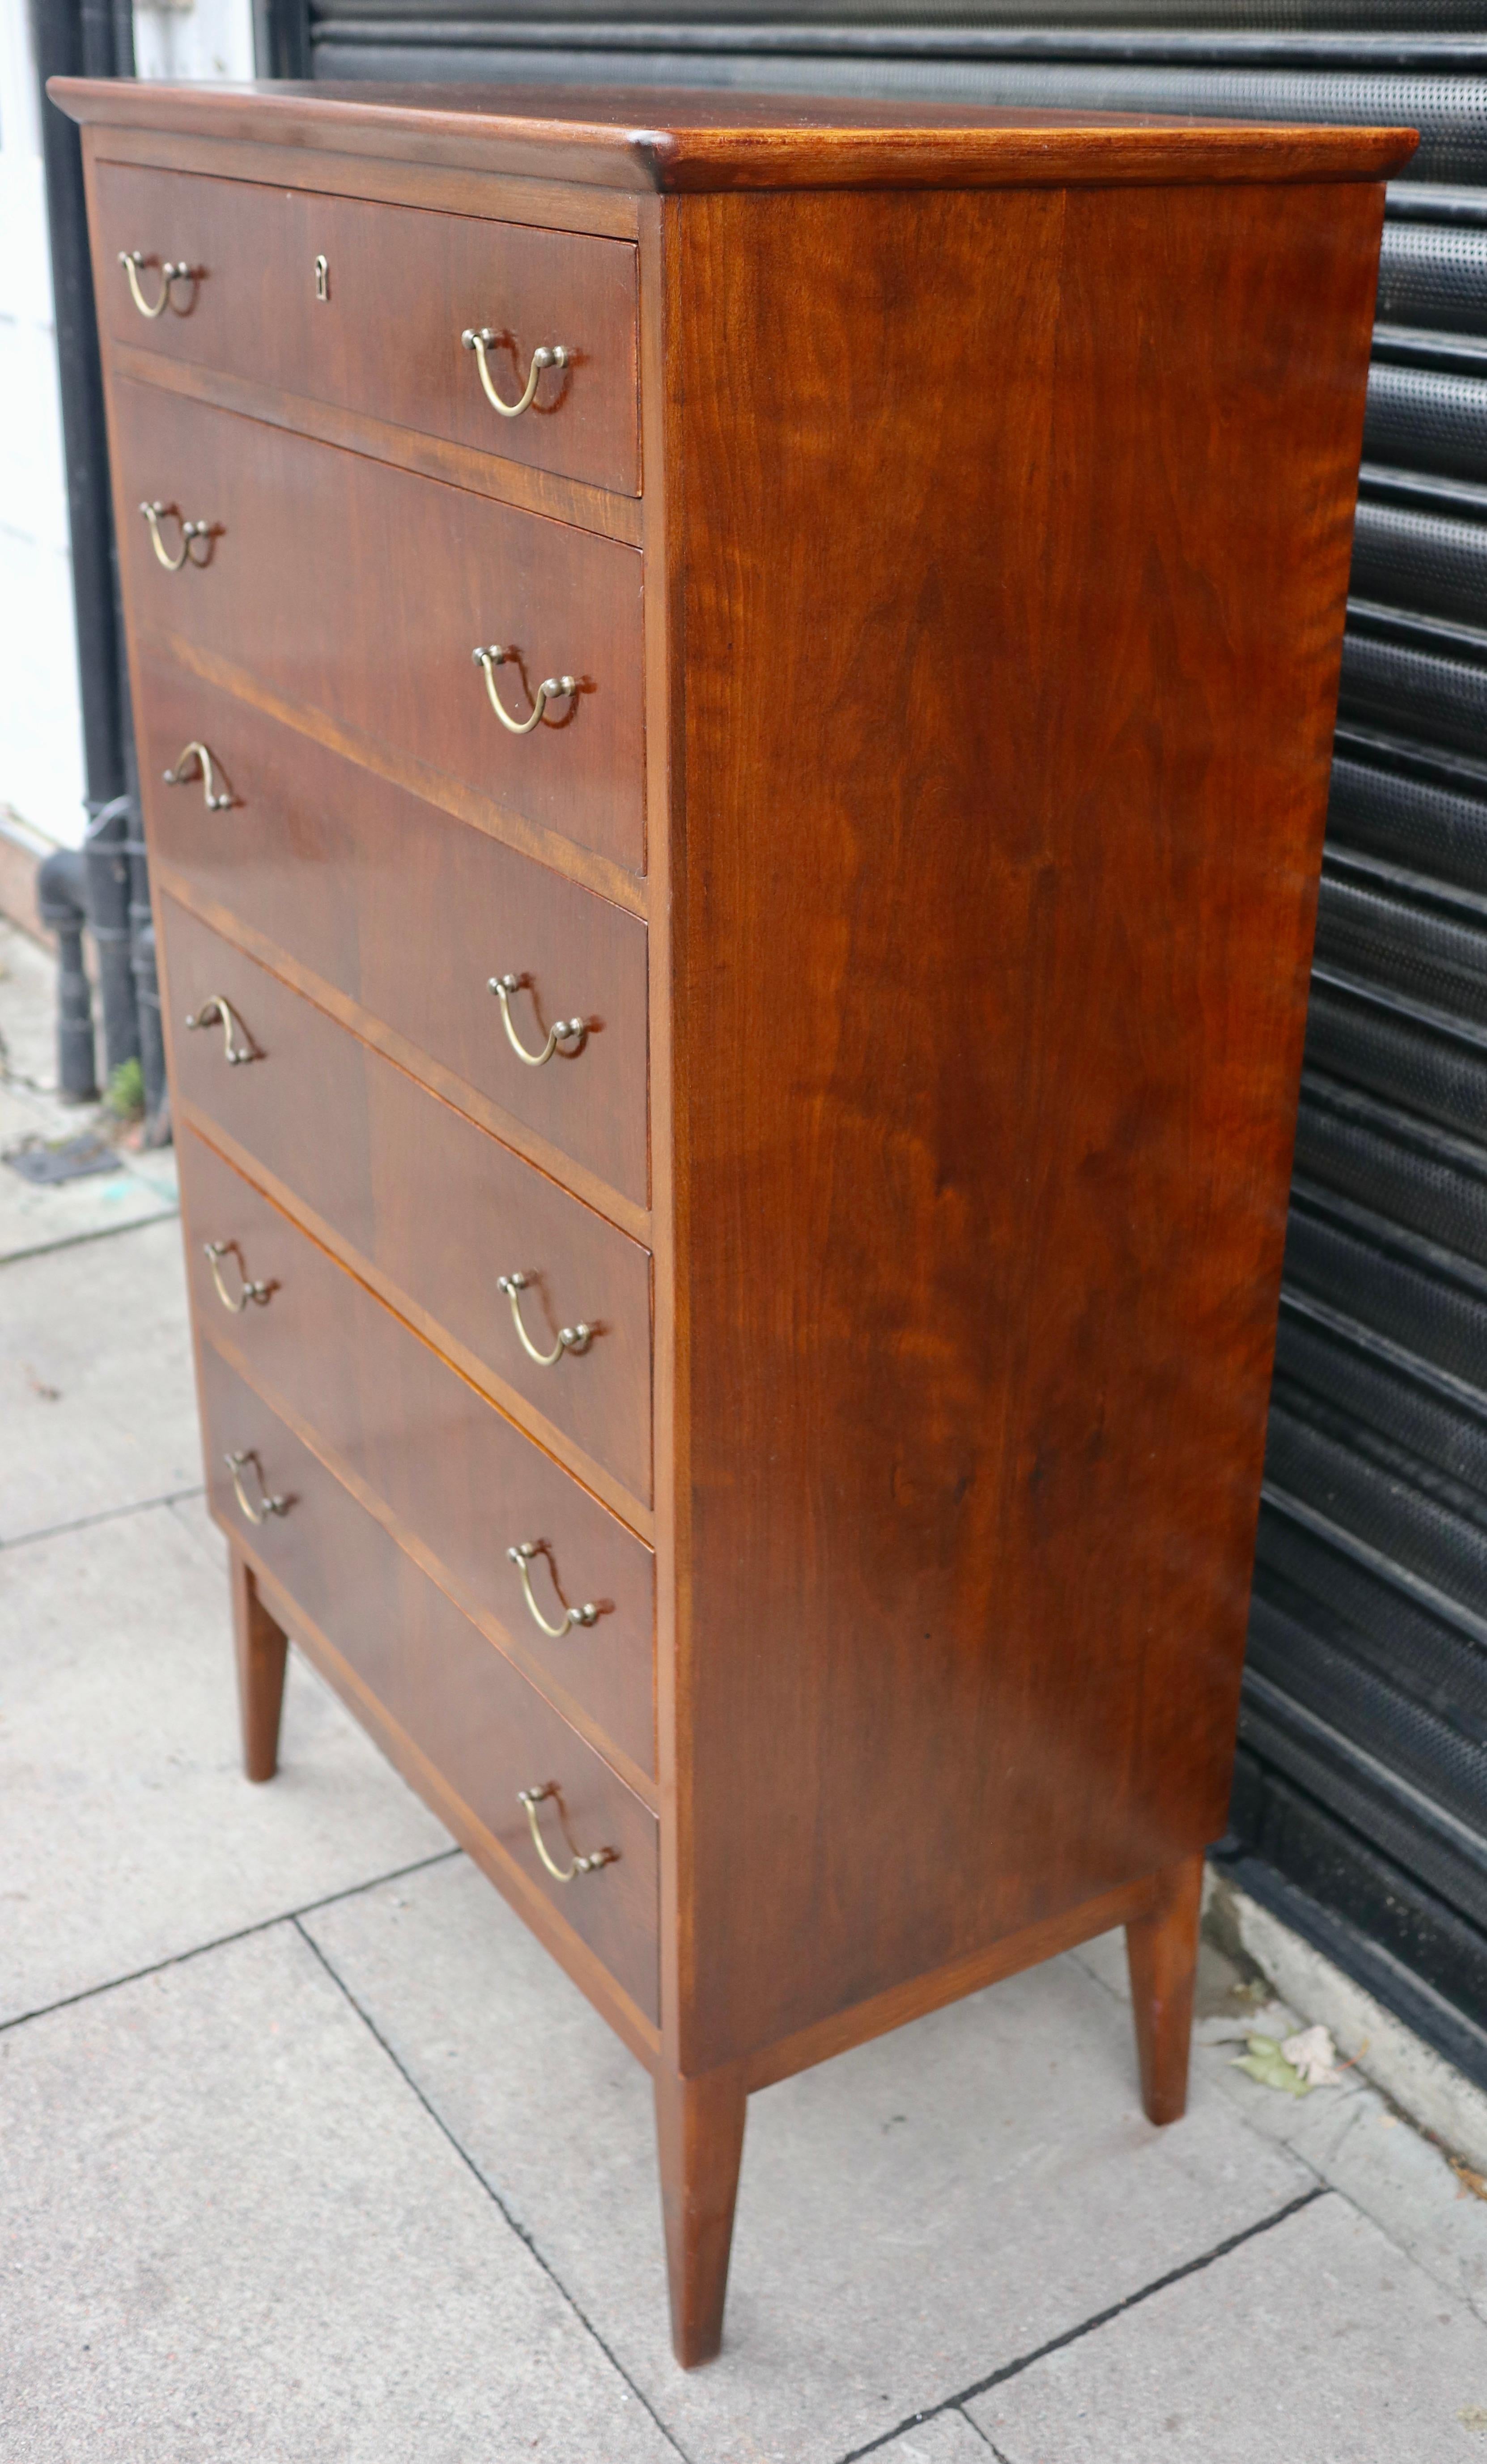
(453,1480)
(478,1721)
(979,1267)
(341,875)
(357,1147)
(699,2143)
(708,141)
(955,768)
(261,1652)
(358,432)
(387,338)
(365,589)
(1162,1954)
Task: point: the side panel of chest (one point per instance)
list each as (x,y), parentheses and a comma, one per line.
(1001,832)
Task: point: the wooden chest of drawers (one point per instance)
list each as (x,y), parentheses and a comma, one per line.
(735,706)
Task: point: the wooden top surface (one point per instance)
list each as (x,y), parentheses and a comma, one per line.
(655,137)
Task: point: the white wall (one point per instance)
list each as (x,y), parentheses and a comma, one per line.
(41,731)
(41,774)
(193,39)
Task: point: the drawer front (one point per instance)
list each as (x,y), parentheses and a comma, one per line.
(362,590)
(410,913)
(402,285)
(484,1728)
(458,1476)
(436,1207)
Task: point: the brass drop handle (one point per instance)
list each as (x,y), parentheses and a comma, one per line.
(532,1798)
(216,800)
(567,1031)
(237,1043)
(521,1556)
(481,339)
(551,689)
(190,532)
(570,1338)
(248,1290)
(237,1465)
(134,262)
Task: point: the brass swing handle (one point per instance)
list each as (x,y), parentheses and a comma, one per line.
(248,1290)
(215,799)
(237,1465)
(532,1798)
(521,1556)
(134,262)
(481,339)
(190,532)
(237,1043)
(567,1031)
(551,689)
(570,1338)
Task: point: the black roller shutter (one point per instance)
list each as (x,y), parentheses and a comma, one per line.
(1360,1806)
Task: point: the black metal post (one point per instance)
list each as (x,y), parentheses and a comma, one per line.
(61,901)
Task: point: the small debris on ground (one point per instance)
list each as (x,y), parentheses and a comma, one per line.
(1312,2052)
(1473,2185)
(1295,2064)
(48,1161)
(1266,2062)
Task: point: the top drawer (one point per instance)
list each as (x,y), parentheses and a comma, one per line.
(402,285)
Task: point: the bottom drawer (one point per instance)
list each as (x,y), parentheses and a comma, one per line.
(483,1728)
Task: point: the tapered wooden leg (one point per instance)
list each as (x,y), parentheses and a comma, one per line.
(1162,1952)
(262,1649)
(699,2132)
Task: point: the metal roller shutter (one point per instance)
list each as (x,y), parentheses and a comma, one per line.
(1359,1807)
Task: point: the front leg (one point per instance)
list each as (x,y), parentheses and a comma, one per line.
(699,2134)
(261,1648)
(1161,1953)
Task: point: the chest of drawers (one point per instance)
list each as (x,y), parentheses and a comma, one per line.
(735,706)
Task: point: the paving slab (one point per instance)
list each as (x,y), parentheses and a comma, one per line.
(35,1218)
(1316,2341)
(230,2230)
(1349,2134)
(127,1832)
(97,1403)
(946,2438)
(912,2215)
(142,1188)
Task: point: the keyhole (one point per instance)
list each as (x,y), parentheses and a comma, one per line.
(323,277)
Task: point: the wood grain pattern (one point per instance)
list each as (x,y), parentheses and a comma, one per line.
(485,475)
(346,874)
(1161,1953)
(386,339)
(699,2143)
(719,142)
(402,1178)
(421,778)
(260,1649)
(453,1480)
(363,590)
(999,479)
(398,179)
(481,1724)
(980,1249)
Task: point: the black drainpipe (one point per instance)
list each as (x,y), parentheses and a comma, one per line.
(95,39)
